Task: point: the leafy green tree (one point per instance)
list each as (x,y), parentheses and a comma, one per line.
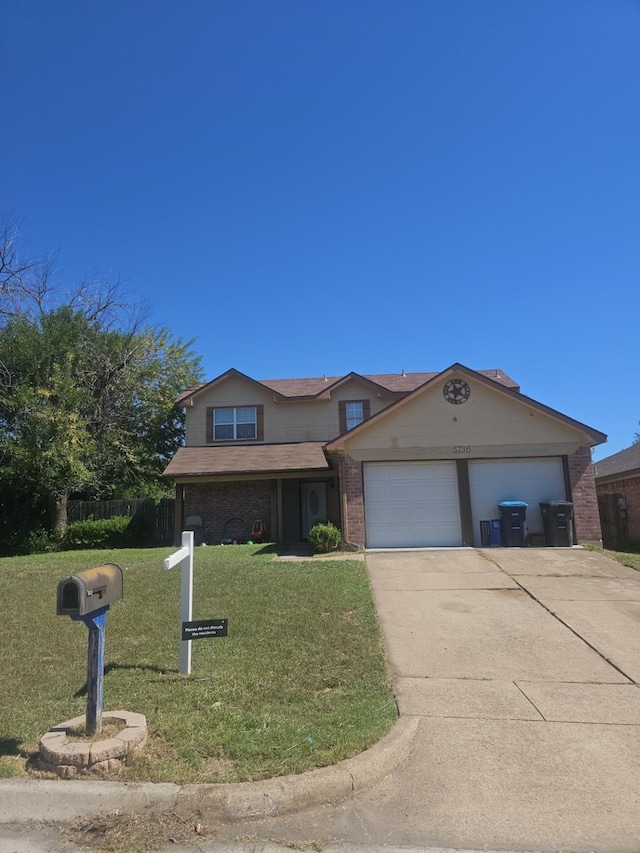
(89,410)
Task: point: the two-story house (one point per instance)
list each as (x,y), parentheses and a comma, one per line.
(395,460)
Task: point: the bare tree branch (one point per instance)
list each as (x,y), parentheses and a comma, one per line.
(27,288)
(24,281)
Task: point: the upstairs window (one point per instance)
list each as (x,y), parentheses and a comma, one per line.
(353,413)
(240,423)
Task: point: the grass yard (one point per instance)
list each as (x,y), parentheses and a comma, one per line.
(630,559)
(300,682)
(627,559)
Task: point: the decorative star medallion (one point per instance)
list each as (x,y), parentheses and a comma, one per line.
(456,391)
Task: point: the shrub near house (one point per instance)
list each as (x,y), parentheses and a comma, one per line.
(325,537)
(117,532)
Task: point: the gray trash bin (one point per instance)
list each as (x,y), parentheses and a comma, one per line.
(557,518)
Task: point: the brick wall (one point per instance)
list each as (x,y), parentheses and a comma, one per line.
(583,495)
(353,501)
(627,523)
(228,510)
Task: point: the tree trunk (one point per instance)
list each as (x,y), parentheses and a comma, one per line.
(58,512)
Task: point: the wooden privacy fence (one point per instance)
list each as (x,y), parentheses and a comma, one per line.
(613,520)
(156,518)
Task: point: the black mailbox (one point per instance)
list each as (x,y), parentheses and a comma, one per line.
(82,594)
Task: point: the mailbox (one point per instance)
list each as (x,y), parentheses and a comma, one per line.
(86,592)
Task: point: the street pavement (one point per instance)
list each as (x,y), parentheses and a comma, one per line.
(515,672)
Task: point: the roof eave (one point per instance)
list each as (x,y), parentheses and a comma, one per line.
(270,473)
(618,475)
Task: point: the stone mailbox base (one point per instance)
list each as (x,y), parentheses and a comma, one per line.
(72,757)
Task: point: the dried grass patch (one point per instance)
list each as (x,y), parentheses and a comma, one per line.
(134,833)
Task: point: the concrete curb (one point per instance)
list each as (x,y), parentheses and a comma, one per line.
(290,793)
(63,801)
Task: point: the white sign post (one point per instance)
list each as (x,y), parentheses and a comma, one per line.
(185,556)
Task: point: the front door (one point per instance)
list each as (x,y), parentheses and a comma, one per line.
(314,506)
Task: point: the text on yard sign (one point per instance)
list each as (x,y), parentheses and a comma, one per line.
(202,628)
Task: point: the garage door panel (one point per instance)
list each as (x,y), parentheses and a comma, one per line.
(404,535)
(528,480)
(411,505)
(409,514)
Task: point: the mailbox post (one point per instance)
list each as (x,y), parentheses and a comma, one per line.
(95,669)
(86,597)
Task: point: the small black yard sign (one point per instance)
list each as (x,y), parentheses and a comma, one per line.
(202,628)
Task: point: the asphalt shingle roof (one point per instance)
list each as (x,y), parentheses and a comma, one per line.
(394,383)
(622,462)
(247,459)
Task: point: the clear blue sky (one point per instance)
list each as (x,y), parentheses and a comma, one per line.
(319,186)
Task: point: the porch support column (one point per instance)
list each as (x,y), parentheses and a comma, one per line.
(179,514)
(280,528)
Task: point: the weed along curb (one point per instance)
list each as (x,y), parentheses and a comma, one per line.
(67,757)
(315,787)
(64,800)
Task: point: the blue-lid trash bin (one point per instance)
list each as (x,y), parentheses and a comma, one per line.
(513,523)
(557,520)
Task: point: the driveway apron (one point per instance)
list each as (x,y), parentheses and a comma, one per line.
(521,666)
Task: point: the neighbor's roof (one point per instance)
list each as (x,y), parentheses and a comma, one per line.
(385,383)
(247,459)
(624,463)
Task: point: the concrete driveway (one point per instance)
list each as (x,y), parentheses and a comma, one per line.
(522,667)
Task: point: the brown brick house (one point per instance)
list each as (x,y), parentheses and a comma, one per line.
(618,489)
(395,460)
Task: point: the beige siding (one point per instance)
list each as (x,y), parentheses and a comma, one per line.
(313,420)
(232,392)
(488,425)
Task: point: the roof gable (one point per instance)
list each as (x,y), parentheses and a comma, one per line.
(459,370)
(188,396)
(317,389)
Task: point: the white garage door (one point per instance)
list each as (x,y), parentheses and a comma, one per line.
(528,480)
(411,504)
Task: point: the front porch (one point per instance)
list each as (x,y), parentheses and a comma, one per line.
(287,506)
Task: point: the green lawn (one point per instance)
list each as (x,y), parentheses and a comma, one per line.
(627,558)
(300,682)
